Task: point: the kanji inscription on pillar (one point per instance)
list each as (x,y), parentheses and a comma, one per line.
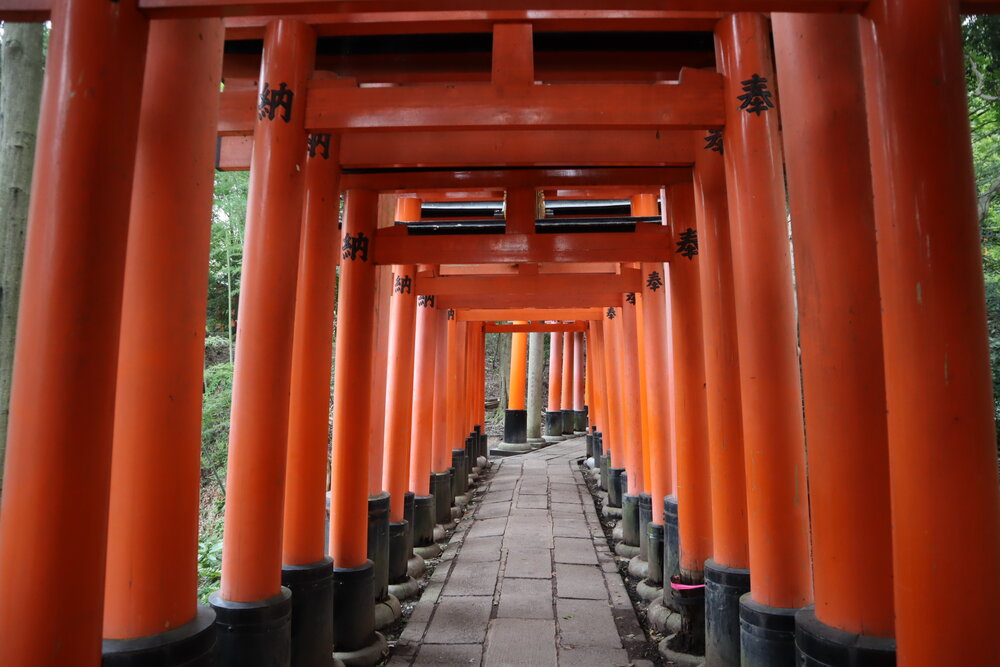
(611,313)
(630,298)
(355,247)
(451,313)
(425,300)
(318,143)
(654,281)
(756,97)
(713,141)
(271,100)
(687,243)
(403,284)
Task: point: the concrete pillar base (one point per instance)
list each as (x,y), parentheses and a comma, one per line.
(366,656)
(616,532)
(648,591)
(626,550)
(387,612)
(550,439)
(440,533)
(484,463)
(611,512)
(638,567)
(663,619)
(426,553)
(195,640)
(678,658)
(416,566)
(510,448)
(405,589)
(767,634)
(724,586)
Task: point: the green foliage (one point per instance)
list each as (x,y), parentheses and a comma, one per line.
(209,564)
(215,425)
(229,214)
(982,53)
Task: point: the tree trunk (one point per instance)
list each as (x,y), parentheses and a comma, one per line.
(21,72)
(536,350)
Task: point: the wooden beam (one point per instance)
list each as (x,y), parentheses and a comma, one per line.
(393,246)
(695,102)
(502,179)
(502,148)
(565,300)
(555,285)
(528,314)
(539,327)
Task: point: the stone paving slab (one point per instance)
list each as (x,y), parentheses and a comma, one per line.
(514,641)
(527,577)
(525,598)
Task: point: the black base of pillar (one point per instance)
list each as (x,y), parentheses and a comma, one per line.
(654,553)
(598,445)
(484,447)
(604,482)
(441,489)
(820,645)
(515,426)
(767,635)
(353,612)
(671,541)
(579,421)
(645,517)
(423,521)
(253,634)
(590,446)
(690,602)
(630,520)
(460,476)
(553,424)
(190,645)
(408,512)
(615,486)
(724,586)
(312,612)
(398,555)
(568,420)
(378,543)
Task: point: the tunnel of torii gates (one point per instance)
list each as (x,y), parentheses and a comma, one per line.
(879,542)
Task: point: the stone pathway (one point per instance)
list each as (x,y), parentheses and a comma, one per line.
(527,578)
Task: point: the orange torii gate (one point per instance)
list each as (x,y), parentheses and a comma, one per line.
(102,446)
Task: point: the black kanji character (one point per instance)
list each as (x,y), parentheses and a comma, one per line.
(355,247)
(271,100)
(630,297)
(757,97)
(687,245)
(713,141)
(316,142)
(426,301)
(403,283)
(451,313)
(611,313)
(654,282)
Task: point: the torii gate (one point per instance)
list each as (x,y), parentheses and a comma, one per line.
(128,137)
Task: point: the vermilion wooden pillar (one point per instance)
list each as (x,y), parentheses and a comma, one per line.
(152,578)
(942,449)
(306,569)
(422,422)
(251,554)
(515,428)
(354,577)
(765,317)
(399,384)
(58,466)
(616,437)
(441,479)
(455,418)
(579,385)
(829,185)
(643,401)
(566,401)
(727,573)
(631,413)
(694,500)
(553,415)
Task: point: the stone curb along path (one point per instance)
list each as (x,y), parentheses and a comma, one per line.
(527,578)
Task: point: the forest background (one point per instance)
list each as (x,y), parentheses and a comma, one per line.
(22,50)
